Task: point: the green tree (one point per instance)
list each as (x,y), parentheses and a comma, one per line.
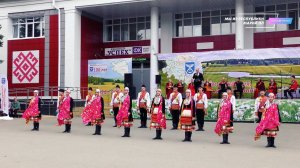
(1,38)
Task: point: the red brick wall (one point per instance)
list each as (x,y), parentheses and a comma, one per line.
(224,42)
(91,40)
(53,52)
(274,39)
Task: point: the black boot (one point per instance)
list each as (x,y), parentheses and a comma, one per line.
(272,140)
(141,125)
(225,139)
(126,132)
(156,137)
(97,130)
(99,133)
(159,134)
(37,127)
(186,136)
(34,127)
(190,136)
(226,136)
(69,128)
(66,128)
(145,124)
(269,142)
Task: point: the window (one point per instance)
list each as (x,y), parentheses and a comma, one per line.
(188,28)
(225,25)
(290,10)
(179,28)
(282,27)
(215,26)
(125,29)
(204,23)
(197,29)
(28,27)
(206,26)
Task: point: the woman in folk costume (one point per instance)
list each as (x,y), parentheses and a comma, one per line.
(157,111)
(169,88)
(65,113)
(94,112)
(86,114)
(33,111)
(232,100)
(88,99)
(270,122)
(124,117)
(224,126)
(187,115)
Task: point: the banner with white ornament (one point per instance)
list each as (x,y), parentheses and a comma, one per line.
(25,67)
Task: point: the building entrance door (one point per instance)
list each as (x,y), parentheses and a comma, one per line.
(141,73)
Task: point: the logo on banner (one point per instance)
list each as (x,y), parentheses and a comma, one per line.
(137,50)
(98,68)
(189,67)
(26,67)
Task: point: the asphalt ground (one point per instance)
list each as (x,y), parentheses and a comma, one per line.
(50,148)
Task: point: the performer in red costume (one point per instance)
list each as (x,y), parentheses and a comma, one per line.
(33,111)
(223,126)
(272,87)
(157,111)
(65,110)
(94,112)
(270,122)
(143,105)
(293,87)
(88,100)
(187,116)
(261,103)
(124,117)
(115,102)
(260,85)
(169,88)
(207,88)
(191,86)
(180,87)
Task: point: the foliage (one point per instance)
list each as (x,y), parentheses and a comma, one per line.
(1,38)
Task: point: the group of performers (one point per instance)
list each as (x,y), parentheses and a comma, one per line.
(185,112)
(238,86)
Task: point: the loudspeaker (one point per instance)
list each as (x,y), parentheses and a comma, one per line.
(132,92)
(158,79)
(128,81)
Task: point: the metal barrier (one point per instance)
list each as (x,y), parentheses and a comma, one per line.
(47,92)
(48,96)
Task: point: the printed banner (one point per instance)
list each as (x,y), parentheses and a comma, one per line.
(229,65)
(289,111)
(127,50)
(105,74)
(25,67)
(4,99)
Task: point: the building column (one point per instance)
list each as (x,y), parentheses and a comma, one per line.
(154,48)
(6,31)
(249,32)
(239,26)
(72,67)
(166,36)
